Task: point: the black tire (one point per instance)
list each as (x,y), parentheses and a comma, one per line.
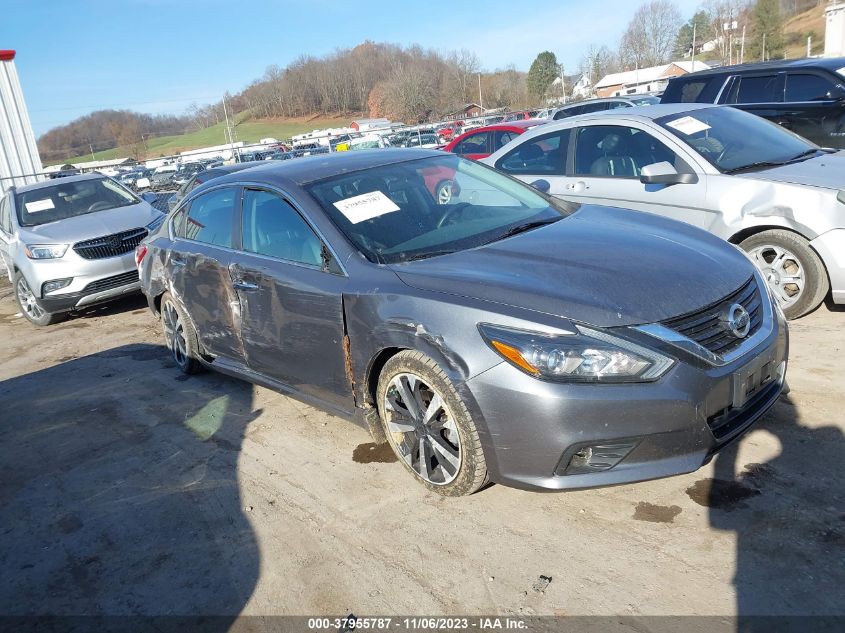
(471,474)
(802,258)
(30,307)
(179,336)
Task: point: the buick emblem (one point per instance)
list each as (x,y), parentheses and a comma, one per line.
(116,243)
(737,320)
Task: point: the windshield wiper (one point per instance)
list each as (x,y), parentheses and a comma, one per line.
(521,228)
(772,163)
(428,254)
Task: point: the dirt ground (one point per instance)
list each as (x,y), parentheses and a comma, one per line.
(128,488)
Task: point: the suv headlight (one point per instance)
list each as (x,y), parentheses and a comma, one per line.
(588,356)
(45,251)
(152,226)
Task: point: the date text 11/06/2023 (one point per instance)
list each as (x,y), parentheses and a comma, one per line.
(352,622)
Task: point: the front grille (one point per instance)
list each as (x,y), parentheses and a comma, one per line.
(112,282)
(707,327)
(110,245)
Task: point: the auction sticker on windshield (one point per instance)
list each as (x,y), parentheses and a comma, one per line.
(688,125)
(39,205)
(366,206)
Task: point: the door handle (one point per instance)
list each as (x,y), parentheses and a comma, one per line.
(176,261)
(578,186)
(244,285)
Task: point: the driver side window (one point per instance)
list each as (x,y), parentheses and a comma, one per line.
(616,151)
(272,227)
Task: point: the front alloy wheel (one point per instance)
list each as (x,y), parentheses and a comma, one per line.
(29,305)
(423,429)
(793,271)
(428,425)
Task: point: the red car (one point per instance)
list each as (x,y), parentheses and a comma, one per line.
(483,141)
(449,131)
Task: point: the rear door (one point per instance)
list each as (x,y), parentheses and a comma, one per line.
(291,303)
(542,157)
(198,267)
(760,94)
(6,232)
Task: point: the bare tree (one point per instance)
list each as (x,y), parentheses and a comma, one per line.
(726,18)
(650,36)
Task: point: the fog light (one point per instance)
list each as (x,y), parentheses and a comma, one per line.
(598,457)
(55,284)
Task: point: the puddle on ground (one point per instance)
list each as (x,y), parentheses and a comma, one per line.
(372,452)
(656,514)
(720,494)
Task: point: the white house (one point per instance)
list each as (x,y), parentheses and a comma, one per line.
(834,37)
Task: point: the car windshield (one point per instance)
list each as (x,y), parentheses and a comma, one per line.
(69,199)
(431,206)
(733,140)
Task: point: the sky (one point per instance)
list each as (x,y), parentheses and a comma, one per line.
(159,56)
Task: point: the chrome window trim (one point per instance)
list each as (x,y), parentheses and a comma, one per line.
(680,341)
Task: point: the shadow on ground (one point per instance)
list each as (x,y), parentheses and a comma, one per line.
(788,515)
(119,490)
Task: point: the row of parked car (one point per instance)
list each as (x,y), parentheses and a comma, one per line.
(595,300)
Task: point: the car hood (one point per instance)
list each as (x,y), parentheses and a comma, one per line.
(90,225)
(826,171)
(603,266)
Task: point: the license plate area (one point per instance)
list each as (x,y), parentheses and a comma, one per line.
(748,380)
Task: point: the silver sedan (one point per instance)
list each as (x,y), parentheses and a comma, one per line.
(745,179)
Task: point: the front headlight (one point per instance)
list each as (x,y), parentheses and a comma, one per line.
(152,226)
(588,356)
(45,251)
(841,196)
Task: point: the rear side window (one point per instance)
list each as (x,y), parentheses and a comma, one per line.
(808,87)
(761,89)
(210,218)
(567,112)
(272,227)
(542,155)
(692,90)
(503,138)
(595,107)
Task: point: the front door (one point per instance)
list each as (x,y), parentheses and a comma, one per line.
(291,304)
(606,165)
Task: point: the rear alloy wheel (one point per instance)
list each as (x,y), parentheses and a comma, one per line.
(29,305)
(429,427)
(793,271)
(179,336)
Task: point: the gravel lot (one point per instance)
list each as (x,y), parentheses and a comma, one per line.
(128,488)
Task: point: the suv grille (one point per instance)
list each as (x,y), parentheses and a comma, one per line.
(110,245)
(112,282)
(706,326)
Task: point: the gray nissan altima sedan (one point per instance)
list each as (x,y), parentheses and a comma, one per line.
(503,336)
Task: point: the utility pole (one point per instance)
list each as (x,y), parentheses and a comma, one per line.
(92,151)
(809,45)
(764,48)
(231,141)
(562,85)
(694,25)
(742,47)
(480,100)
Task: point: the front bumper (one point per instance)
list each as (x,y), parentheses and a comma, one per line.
(532,429)
(831,248)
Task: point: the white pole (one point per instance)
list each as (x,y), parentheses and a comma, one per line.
(693,45)
(809,45)
(562,85)
(480,100)
(764,47)
(742,47)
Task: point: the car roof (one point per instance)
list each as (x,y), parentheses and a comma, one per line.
(648,113)
(830,63)
(312,168)
(59,181)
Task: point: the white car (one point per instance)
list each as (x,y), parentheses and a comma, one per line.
(749,181)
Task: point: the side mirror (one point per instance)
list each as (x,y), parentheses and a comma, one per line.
(663,173)
(541,185)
